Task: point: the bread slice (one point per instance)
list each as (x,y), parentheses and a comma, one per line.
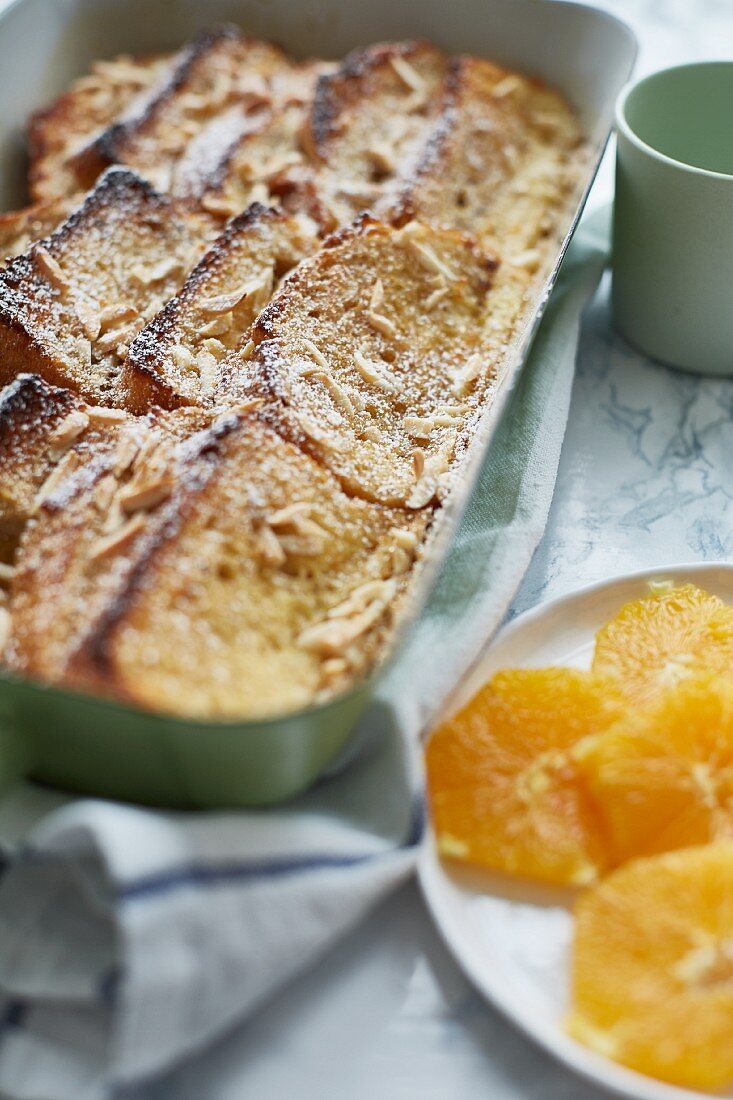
(221,68)
(31,414)
(369,122)
(496,163)
(70,306)
(91,104)
(175,359)
(275,585)
(21,228)
(370,355)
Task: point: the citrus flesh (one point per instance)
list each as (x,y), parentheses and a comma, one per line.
(670,635)
(504,790)
(663,777)
(652,968)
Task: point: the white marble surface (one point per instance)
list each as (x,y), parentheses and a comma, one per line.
(646,478)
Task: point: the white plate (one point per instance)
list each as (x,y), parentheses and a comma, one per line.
(512,939)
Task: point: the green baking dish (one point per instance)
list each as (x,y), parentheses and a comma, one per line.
(105,749)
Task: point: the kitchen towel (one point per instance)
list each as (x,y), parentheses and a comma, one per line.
(130,938)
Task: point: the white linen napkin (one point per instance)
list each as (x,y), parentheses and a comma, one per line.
(130,938)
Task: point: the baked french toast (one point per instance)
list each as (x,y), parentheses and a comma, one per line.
(72,121)
(176,358)
(281,584)
(369,356)
(259,350)
(70,306)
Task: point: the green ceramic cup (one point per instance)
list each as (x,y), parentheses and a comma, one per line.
(673,218)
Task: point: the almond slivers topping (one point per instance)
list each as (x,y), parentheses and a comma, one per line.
(119,539)
(381,324)
(407,74)
(6,573)
(269,548)
(430,260)
(6,624)
(377,296)
(68,431)
(223,303)
(376,373)
(102,414)
(50,268)
(155,274)
(506,86)
(467,375)
(339,395)
(143,497)
(315,353)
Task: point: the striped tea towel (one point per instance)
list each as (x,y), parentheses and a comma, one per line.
(130,938)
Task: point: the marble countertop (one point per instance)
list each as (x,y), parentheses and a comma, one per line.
(646,478)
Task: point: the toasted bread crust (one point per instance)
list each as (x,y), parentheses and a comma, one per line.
(54,298)
(177,357)
(220,68)
(92,103)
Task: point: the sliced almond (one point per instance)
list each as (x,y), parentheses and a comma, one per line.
(529,259)
(102,414)
(506,86)
(6,625)
(362,597)
(381,324)
(51,269)
(148,495)
(339,395)
(268,546)
(430,260)
(89,319)
(68,431)
(246,352)
(400,561)
(224,303)
(376,298)
(291,513)
(183,357)
(220,205)
(119,539)
(409,76)
(376,373)
(436,297)
(218,326)
(6,573)
(406,540)
(468,374)
(156,272)
(315,353)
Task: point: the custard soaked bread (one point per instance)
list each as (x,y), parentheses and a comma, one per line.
(91,104)
(278,585)
(222,68)
(370,357)
(70,306)
(176,358)
(370,119)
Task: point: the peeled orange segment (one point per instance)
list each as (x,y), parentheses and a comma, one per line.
(652,971)
(655,642)
(504,791)
(663,777)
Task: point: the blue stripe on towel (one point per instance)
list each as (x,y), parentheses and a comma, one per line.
(224,874)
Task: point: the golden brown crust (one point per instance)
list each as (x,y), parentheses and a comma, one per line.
(70,306)
(221,68)
(92,103)
(177,357)
(30,413)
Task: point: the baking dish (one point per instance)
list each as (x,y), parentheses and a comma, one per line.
(103,748)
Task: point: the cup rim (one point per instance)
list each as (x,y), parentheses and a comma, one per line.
(623,126)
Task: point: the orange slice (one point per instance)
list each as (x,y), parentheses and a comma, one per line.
(655,642)
(504,791)
(663,778)
(652,971)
